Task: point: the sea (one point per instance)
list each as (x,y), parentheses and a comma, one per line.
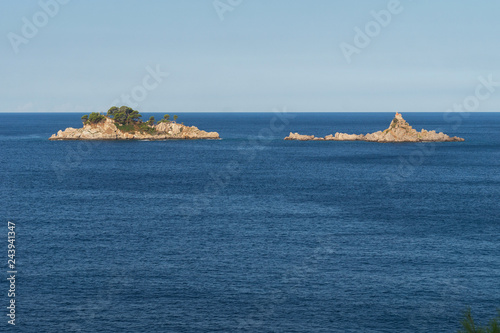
(251,233)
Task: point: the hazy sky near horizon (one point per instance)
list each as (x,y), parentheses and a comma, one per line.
(264,54)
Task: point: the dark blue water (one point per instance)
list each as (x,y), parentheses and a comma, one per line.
(252,233)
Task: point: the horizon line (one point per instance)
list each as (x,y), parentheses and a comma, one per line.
(80,112)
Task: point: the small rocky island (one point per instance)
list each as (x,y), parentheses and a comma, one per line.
(398,131)
(124,123)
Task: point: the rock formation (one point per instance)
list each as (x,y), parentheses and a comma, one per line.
(398,131)
(107,130)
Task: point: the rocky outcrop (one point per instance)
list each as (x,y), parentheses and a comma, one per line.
(297,136)
(107,130)
(399,131)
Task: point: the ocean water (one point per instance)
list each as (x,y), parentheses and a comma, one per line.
(252,233)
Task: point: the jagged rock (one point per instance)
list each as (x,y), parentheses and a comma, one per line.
(348,137)
(107,130)
(297,136)
(399,131)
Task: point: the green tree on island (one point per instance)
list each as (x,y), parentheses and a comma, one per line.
(124,115)
(94,118)
(112,111)
(151,121)
(125,118)
(134,117)
(470,326)
(165,119)
(129,120)
(175,118)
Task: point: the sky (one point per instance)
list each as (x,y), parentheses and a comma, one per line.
(249,55)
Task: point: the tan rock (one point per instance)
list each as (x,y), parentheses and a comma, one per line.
(399,131)
(107,130)
(297,136)
(348,137)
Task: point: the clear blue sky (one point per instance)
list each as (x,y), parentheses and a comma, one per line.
(264,54)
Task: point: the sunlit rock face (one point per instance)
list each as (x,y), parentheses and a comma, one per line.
(399,131)
(107,130)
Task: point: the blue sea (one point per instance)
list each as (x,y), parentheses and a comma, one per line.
(252,233)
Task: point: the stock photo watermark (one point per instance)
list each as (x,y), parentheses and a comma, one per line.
(140,92)
(11,272)
(223,6)
(446,303)
(292,278)
(88,314)
(248,152)
(486,87)
(75,155)
(363,37)
(455,116)
(32,26)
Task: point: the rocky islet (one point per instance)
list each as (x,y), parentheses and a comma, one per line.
(108,130)
(399,131)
